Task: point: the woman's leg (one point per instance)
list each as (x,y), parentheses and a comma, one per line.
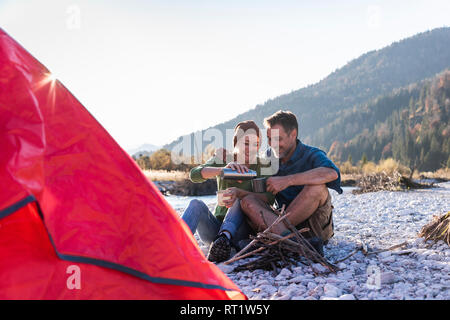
(198,218)
(233,219)
(234,228)
(235,223)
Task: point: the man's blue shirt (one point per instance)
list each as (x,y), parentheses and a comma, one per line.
(303,159)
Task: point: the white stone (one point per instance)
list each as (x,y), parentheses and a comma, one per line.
(311,285)
(297,279)
(388,277)
(262,282)
(342,265)
(384,254)
(328,298)
(331,290)
(319,267)
(283,275)
(284,297)
(225,268)
(268,289)
(389,259)
(347,297)
(434,256)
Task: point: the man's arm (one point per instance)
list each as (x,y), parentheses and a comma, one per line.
(321,175)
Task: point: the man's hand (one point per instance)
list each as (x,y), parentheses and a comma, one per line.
(277,184)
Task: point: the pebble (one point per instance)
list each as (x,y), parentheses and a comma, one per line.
(225,268)
(284,273)
(388,277)
(331,291)
(319,268)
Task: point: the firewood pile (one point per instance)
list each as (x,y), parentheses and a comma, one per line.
(388,182)
(437,229)
(378,182)
(272,251)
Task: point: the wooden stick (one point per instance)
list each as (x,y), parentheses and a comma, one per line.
(245,255)
(390,248)
(278,220)
(235,258)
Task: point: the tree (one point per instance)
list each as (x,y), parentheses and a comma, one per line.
(364,160)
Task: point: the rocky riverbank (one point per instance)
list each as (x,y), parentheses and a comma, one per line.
(379,220)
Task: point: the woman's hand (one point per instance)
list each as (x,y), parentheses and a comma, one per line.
(237,167)
(233,194)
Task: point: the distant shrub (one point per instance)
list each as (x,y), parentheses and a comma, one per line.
(390,166)
(369,167)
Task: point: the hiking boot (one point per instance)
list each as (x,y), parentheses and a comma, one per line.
(220,249)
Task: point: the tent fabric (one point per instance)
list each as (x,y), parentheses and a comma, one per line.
(72,196)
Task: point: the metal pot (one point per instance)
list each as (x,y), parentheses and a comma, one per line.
(259,184)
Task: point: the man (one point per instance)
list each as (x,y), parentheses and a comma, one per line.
(301,184)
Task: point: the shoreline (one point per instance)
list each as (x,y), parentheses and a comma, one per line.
(184,187)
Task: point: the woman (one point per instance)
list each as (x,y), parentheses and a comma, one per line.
(227,226)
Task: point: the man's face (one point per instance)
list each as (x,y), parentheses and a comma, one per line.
(280,141)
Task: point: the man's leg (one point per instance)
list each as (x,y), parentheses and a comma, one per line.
(260,215)
(301,208)
(307,202)
(198,217)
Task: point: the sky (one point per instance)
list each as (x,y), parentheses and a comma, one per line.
(151,71)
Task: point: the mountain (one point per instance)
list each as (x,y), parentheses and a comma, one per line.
(373,75)
(410,124)
(143,150)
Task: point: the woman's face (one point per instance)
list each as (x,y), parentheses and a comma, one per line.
(247,148)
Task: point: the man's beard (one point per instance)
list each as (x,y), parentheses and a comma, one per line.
(283,155)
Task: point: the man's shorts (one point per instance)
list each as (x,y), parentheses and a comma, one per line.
(320,223)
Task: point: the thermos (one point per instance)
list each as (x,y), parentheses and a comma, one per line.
(258,184)
(228,173)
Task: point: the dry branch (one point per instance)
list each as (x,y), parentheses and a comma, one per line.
(272,250)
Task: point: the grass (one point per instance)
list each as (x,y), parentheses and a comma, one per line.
(163,175)
(443,173)
(389,166)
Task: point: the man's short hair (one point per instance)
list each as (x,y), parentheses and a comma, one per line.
(286,119)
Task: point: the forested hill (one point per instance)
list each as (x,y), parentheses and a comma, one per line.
(352,87)
(411,125)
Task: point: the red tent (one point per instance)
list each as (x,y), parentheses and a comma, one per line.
(78,219)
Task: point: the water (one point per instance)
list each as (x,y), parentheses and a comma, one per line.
(180,203)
